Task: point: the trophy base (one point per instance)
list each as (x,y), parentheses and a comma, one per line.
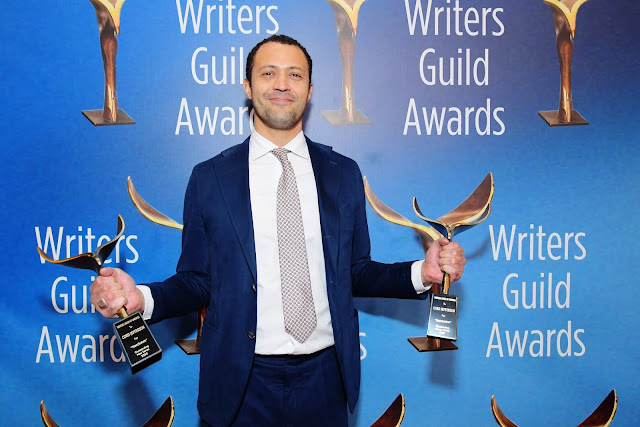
(423,344)
(551,117)
(341,118)
(190,347)
(95,117)
(137,341)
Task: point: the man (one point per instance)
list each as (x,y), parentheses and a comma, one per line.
(260,221)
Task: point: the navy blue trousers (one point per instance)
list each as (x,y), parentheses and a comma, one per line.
(292,391)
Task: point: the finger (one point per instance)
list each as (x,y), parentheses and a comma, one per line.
(110,307)
(107,271)
(443,241)
(453,257)
(454,272)
(104,285)
(451,247)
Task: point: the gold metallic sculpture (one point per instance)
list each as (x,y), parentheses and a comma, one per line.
(346,16)
(152,214)
(601,417)
(149,211)
(394,414)
(90,260)
(564,18)
(474,210)
(108,14)
(162,418)
(138,343)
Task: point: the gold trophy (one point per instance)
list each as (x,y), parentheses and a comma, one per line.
(443,313)
(108,14)
(564,18)
(346,16)
(602,416)
(163,416)
(136,339)
(152,214)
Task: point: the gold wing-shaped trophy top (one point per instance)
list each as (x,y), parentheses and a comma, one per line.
(427,234)
(46,418)
(565,10)
(148,211)
(394,414)
(89,260)
(474,210)
(113,7)
(501,418)
(601,417)
(351,8)
(162,418)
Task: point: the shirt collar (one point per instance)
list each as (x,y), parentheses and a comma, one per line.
(259,146)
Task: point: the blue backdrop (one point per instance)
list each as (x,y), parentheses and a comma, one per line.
(563,212)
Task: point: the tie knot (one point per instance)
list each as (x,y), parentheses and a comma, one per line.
(281,154)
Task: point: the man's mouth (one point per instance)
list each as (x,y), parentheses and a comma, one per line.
(279,98)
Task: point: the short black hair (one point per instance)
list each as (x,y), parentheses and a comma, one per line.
(276,38)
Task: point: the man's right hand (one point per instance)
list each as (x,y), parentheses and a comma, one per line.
(118,290)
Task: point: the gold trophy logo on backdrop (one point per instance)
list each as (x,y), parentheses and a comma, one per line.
(108,14)
(163,416)
(443,312)
(564,18)
(132,331)
(346,16)
(191,346)
(601,417)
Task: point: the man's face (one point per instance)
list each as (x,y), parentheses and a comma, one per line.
(280,87)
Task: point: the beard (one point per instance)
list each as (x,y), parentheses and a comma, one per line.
(280,120)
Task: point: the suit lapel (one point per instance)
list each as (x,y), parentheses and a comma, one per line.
(327,175)
(232,171)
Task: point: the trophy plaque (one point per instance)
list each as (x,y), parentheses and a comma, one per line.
(564,18)
(189,346)
(601,417)
(108,14)
(346,16)
(132,331)
(442,327)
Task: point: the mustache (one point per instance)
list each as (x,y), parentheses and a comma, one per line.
(281,95)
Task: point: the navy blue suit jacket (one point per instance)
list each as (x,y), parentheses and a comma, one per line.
(217,269)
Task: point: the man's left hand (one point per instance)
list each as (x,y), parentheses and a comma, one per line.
(443,257)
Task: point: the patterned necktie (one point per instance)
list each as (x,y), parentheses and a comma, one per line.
(297,300)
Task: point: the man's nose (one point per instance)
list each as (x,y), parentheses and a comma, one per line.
(281,83)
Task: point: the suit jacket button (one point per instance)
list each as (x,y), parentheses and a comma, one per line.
(251,336)
(253,287)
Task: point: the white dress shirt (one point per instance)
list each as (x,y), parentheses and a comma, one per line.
(264,173)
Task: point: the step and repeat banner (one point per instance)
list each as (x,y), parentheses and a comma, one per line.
(428,96)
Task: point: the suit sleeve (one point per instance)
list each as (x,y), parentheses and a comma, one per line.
(370,278)
(188,290)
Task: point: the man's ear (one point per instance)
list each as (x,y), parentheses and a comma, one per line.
(310,90)
(247,88)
